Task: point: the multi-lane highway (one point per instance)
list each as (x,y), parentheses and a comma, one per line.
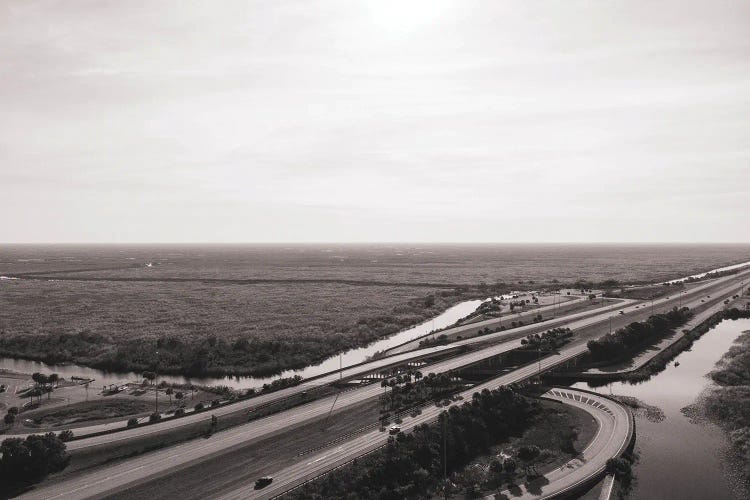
(594,316)
(156,463)
(614,431)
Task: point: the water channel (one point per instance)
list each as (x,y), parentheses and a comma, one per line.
(348,358)
(678,457)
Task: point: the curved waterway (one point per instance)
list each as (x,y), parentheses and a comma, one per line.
(678,457)
(348,358)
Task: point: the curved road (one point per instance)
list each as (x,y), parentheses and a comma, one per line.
(615,430)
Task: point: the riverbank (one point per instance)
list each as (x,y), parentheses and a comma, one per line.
(727,404)
(678,456)
(652,362)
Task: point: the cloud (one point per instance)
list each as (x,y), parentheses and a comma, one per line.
(432,121)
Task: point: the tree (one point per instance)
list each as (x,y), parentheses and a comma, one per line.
(527,455)
(9,418)
(31,459)
(178,395)
(54,378)
(169,392)
(150,376)
(66,435)
(510,466)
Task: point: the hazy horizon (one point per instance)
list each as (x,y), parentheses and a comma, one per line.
(395,122)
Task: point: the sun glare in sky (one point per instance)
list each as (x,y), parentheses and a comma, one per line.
(374,121)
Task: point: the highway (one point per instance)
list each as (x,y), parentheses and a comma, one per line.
(347,373)
(508,318)
(153,464)
(322,406)
(595,316)
(614,426)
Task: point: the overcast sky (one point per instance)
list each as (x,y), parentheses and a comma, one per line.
(127,121)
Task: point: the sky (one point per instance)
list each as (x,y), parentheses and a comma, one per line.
(380,121)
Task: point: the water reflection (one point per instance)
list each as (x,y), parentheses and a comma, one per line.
(679,458)
(348,358)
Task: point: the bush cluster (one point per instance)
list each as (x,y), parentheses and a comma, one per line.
(626,340)
(410,465)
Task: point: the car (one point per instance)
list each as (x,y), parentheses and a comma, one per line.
(394,429)
(622,312)
(2,388)
(263,482)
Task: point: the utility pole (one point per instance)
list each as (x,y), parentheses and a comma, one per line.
(445,458)
(539,360)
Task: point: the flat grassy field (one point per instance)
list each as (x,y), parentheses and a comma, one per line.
(258,310)
(87,411)
(203,328)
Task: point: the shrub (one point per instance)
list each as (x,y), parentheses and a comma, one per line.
(179,412)
(66,435)
(199,407)
(154,417)
(132,422)
(31,459)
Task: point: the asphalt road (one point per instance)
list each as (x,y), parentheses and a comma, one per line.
(124,433)
(612,437)
(151,465)
(508,318)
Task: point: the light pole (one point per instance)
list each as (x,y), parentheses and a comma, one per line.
(539,360)
(610,324)
(156,384)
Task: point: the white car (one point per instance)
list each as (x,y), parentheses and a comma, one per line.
(394,429)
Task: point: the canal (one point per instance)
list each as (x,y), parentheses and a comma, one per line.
(679,458)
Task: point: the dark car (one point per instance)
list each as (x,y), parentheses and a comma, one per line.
(263,482)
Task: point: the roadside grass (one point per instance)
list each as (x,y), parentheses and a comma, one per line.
(87,411)
(560,432)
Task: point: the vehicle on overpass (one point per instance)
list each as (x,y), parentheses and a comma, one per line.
(263,482)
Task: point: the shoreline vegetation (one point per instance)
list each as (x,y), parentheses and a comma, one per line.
(218,353)
(659,362)
(728,403)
